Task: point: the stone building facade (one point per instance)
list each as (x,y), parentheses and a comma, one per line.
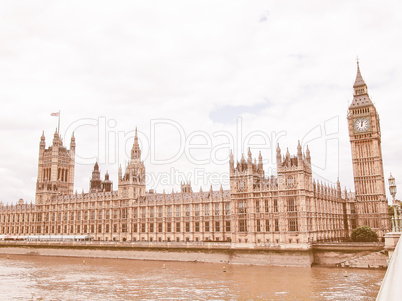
(289,208)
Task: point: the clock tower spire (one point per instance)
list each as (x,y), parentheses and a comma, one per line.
(368,173)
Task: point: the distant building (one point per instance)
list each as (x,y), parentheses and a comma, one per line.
(289,208)
(96,184)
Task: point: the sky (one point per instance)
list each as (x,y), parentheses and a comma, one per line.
(198,79)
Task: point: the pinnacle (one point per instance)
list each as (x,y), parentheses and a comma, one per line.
(136,137)
(299,148)
(359,79)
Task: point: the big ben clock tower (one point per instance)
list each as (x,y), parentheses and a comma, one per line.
(365,140)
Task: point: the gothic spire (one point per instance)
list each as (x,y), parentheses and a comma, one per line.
(299,149)
(136,137)
(360,95)
(359,79)
(136,151)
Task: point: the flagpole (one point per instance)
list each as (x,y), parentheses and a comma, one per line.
(58,128)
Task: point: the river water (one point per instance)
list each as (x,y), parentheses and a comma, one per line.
(60,278)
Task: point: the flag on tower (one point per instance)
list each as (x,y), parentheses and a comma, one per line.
(57,114)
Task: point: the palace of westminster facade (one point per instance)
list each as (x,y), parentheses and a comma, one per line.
(288,208)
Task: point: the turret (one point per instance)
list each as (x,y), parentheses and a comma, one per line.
(56,139)
(278,154)
(120,173)
(136,151)
(72,143)
(260,164)
(308,158)
(242,163)
(186,187)
(55,169)
(249,160)
(299,153)
(107,184)
(42,143)
(95,183)
(132,184)
(338,189)
(231,162)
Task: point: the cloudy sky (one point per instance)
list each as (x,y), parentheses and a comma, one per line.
(198,78)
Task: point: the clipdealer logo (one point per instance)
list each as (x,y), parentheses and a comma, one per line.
(168,143)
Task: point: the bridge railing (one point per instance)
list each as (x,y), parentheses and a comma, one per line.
(391,288)
(396,223)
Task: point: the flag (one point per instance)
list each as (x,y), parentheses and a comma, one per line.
(55,114)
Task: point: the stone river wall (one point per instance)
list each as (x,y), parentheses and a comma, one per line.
(330,254)
(229,254)
(334,254)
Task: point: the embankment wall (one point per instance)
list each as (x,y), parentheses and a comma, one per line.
(305,256)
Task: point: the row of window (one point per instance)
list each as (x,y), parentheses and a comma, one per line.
(158,227)
(261,226)
(123,215)
(150,211)
(242,206)
(264,226)
(291,206)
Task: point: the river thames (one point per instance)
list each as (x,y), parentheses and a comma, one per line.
(60,278)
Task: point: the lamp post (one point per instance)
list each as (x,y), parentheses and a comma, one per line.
(392,191)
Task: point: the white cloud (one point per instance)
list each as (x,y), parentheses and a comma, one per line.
(137,61)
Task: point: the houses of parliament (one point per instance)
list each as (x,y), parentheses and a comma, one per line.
(287,208)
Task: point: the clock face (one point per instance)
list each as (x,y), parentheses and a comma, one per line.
(362,124)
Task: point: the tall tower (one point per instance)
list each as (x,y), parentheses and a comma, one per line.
(295,187)
(246,180)
(365,140)
(55,169)
(132,184)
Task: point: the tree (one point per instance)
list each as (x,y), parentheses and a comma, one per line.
(364,234)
